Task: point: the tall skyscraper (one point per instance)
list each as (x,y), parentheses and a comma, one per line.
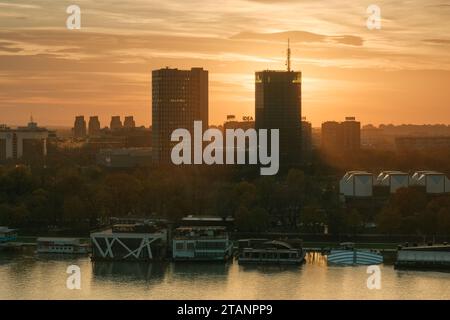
(79,128)
(94,126)
(129,122)
(179,97)
(278,105)
(116,123)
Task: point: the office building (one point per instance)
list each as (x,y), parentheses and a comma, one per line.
(79,128)
(278,106)
(351,133)
(27,143)
(179,97)
(341,137)
(129,122)
(306,139)
(116,123)
(94,126)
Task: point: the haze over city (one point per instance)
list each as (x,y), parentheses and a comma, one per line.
(394,75)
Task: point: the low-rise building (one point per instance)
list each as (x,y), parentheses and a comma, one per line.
(29,142)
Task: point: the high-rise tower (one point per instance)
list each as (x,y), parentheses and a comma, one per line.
(278,105)
(179,97)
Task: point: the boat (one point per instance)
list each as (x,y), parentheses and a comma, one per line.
(347,254)
(269,252)
(7,234)
(202,243)
(61,246)
(434,257)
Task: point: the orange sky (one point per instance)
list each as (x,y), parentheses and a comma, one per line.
(399,74)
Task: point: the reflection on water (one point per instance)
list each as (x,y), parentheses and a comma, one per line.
(189,269)
(316,258)
(31,276)
(131,271)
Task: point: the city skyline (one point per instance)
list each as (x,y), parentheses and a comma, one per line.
(392,75)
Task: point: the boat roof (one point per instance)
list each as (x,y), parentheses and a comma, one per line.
(443,247)
(279,243)
(55,239)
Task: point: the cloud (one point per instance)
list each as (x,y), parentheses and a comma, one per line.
(437,41)
(8,47)
(19,5)
(300,37)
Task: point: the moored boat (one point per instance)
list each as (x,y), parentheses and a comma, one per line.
(424,257)
(347,254)
(271,252)
(61,246)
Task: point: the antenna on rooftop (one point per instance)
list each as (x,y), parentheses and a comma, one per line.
(288,61)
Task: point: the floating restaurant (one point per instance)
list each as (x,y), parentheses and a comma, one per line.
(139,242)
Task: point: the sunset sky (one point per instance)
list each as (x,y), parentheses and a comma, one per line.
(399,74)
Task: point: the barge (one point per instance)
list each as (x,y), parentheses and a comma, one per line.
(201,243)
(434,257)
(269,252)
(61,246)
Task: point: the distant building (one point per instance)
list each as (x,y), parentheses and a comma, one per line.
(245,124)
(351,131)
(94,126)
(179,97)
(129,122)
(79,128)
(116,123)
(331,136)
(341,137)
(422,143)
(306,139)
(28,143)
(125,157)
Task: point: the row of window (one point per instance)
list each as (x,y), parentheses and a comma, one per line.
(200,245)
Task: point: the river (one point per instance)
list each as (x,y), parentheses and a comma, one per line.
(31,276)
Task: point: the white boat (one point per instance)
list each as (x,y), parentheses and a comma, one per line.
(61,245)
(349,255)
